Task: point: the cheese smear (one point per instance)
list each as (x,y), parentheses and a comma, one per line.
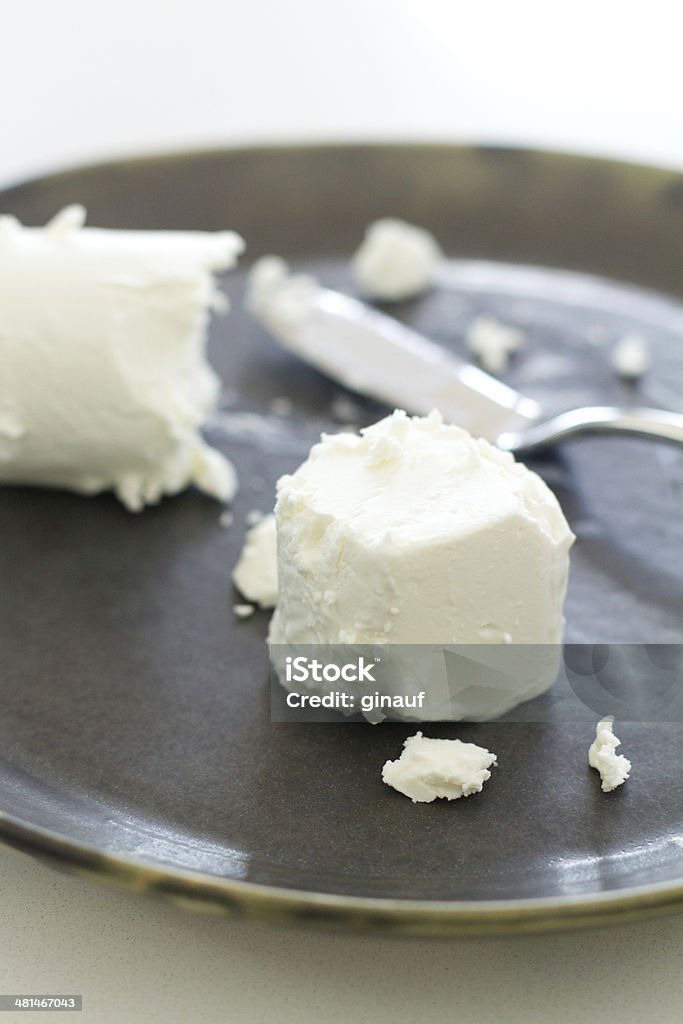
(104,382)
(432,768)
(415,533)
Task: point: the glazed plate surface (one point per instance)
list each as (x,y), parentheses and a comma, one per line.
(135,731)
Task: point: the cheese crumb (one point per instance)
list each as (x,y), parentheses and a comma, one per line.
(396,260)
(431,768)
(631,357)
(614,768)
(278,299)
(281,406)
(493,342)
(243,611)
(344,410)
(255,574)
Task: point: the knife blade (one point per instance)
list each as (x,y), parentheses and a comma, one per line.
(375,355)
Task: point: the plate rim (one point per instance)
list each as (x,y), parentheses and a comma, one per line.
(406,917)
(483,146)
(243,899)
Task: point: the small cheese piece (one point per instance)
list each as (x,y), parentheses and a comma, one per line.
(281,406)
(431,768)
(104,382)
(631,357)
(255,574)
(614,768)
(492,342)
(277,298)
(243,611)
(415,533)
(396,261)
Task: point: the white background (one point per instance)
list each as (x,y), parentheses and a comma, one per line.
(81,80)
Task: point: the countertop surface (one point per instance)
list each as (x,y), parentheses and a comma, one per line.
(134,959)
(83,83)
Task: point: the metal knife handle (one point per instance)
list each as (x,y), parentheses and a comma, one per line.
(656,424)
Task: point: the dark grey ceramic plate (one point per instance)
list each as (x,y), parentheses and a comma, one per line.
(135,734)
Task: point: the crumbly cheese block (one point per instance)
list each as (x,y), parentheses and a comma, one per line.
(602,755)
(396,260)
(255,574)
(104,382)
(417,526)
(415,533)
(432,768)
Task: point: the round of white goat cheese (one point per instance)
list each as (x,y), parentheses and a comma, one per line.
(104,382)
(415,533)
(396,260)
